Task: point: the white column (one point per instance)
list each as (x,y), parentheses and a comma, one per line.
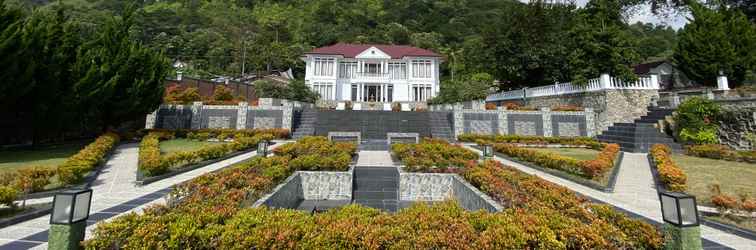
(605,79)
(722,83)
(655,81)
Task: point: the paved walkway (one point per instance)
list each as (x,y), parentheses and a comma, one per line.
(114,193)
(375,159)
(635,191)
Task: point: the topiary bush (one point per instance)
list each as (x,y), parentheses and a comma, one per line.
(72,171)
(695,121)
(433,155)
(670,174)
(8,196)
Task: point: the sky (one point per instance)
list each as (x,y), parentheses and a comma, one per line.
(643,14)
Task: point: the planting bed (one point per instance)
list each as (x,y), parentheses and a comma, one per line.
(537,214)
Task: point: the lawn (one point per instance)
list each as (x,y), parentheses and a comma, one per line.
(742,222)
(49,156)
(734,178)
(177,145)
(577,153)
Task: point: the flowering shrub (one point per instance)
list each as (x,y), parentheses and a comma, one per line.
(177,95)
(72,171)
(591,169)
(223,134)
(432,155)
(8,196)
(525,139)
(542,215)
(318,153)
(152,163)
(670,174)
(722,152)
(490,106)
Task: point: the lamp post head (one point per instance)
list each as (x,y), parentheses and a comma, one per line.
(71,206)
(679,209)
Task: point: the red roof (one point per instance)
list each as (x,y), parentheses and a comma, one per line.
(349,50)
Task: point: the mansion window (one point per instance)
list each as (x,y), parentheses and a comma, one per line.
(325,90)
(347,70)
(397,70)
(421,93)
(421,69)
(372,68)
(323,66)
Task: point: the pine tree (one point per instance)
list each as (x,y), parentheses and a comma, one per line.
(121,79)
(704,46)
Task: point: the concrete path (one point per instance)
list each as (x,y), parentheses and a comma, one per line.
(114,193)
(635,191)
(375,159)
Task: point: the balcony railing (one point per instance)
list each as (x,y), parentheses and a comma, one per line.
(374,76)
(604,82)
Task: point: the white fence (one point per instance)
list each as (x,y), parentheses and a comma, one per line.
(604,82)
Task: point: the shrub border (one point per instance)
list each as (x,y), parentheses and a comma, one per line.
(579,180)
(739,231)
(88,180)
(25,216)
(143,179)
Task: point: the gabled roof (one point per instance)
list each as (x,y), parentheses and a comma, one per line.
(349,50)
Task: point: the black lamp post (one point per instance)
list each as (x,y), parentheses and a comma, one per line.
(68,220)
(488,150)
(681,227)
(262,148)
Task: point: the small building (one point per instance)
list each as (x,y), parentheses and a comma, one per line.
(669,76)
(372,73)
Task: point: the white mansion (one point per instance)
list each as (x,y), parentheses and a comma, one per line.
(372,73)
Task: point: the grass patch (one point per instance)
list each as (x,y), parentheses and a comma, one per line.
(49,156)
(582,154)
(733,177)
(742,222)
(183,144)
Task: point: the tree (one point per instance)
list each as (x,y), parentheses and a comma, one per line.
(298,91)
(714,41)
(473,87)
(601,43)
(121,79)
(268,89)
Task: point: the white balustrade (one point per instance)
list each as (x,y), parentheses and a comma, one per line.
(595,84)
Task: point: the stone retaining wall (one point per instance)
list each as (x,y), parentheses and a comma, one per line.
(309,185)
(242,116)
(735,124)
(440,187)
(541,123)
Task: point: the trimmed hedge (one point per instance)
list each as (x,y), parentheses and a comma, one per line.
(433,155)
(591,169)
(152,163)
(318,153)
(525,139)
(670,174)
(720,152)
(542,215)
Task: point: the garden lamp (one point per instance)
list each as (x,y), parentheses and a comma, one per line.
(262,148)
(681,227)
(488,151)
(68,220)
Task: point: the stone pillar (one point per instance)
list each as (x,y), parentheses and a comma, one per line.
(459,123)
(241,115)
(546,112)
(196,115)
(605,81)
(722,83)
(66,237)
(655,81)
(266,102)
(682,237)
(503,122)
(590,124)
(149,123)
(286,118)
(675,101)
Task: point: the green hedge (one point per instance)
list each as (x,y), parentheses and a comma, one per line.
(153,163)
(541,215)
(535,140)
(433,155)
(591,169)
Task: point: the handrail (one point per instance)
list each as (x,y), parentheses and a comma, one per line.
(604,82)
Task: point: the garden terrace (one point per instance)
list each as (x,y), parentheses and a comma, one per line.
(532,140)
(594,168)
(432,155)
(164,151)
(538,214)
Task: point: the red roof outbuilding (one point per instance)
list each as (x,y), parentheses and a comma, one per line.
(349,50)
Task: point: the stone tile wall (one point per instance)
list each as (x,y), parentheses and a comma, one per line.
(323,185)
(439,187)
(541,123)
(199,116)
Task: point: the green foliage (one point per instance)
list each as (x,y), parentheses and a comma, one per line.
(716,40)
(473,87)
(72,171)
(8,196)
(602,43)
(531,140)
(432,155)
(222,93)
(695,121)
(296,90)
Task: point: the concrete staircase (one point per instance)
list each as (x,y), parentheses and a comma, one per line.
(376,187)
(373,145)
(304,123)
(441,125)
(639,136)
